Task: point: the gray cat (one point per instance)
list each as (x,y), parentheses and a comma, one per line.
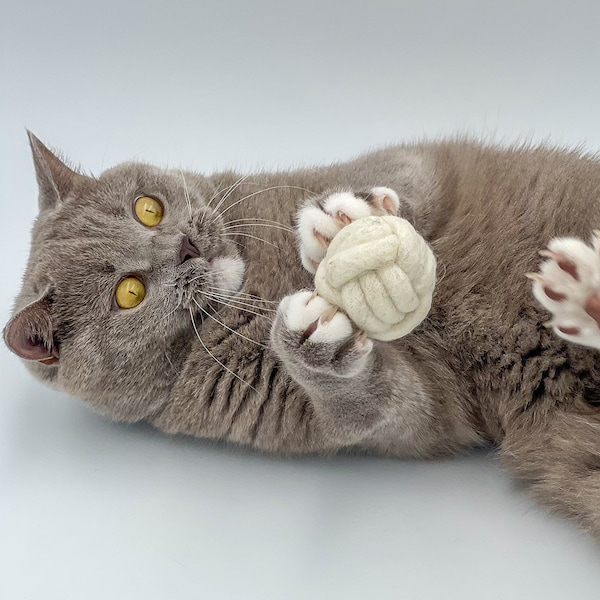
(181,300)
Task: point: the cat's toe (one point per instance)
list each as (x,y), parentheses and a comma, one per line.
(568,286)
(310,332)
(385,200)
(322,218)
(314,319)
(316,229)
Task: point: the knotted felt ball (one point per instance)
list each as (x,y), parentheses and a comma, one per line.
(381,273)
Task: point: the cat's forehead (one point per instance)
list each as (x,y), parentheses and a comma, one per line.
(123,183)
(131,175)
(101,206)
(94,230)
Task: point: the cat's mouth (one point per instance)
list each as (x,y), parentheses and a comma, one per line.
(208,270)
(226,274)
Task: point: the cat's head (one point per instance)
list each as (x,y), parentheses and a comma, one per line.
(115,282)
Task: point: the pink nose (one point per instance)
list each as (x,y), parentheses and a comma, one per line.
(188,250)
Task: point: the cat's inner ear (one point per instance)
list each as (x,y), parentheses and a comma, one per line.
(30,333)
(55,179)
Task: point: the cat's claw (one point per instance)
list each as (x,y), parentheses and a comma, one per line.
(322,217)
(568,285)
(314,318)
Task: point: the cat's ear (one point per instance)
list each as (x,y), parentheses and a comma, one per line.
(30,333)
(55,178)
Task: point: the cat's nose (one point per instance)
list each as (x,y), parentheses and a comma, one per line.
(188,250)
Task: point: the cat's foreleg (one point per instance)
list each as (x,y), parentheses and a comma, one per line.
(568,286)
(358,388)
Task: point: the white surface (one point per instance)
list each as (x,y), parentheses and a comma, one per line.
(94,510)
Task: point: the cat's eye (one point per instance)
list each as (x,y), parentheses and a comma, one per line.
(130,292)
(149,211)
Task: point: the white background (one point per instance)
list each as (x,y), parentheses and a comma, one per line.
(95,510)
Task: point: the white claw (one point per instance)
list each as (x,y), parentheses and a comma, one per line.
(535,277)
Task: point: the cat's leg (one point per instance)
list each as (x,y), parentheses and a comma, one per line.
(322,217)
(362,391)
(557,457)
(568,285)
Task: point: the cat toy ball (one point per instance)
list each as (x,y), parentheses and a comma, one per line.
(381,273)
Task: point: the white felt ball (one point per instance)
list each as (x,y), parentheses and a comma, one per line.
(381,273)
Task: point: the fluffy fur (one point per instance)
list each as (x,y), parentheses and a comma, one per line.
(267,366)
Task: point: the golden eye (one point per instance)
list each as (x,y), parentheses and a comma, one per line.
(148,211)
(130,292)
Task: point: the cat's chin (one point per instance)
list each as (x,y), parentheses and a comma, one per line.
(226,273)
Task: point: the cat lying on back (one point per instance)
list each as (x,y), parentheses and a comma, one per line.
(181,300)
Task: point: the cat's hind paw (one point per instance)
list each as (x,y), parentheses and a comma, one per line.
(568,286)
(322,217)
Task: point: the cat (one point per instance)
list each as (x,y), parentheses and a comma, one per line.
(186,301)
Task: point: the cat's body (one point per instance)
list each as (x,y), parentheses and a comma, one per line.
(481,368)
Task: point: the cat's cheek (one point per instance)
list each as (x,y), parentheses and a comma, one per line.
(227,273)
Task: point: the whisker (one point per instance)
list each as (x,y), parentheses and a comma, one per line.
(173,311)
(227,191)
(231,190)
(254,237)
(257,219)
(187,194)
(202,276)
(239,244)
(228,328)
(275,187)
(243,302)
(234,301)
(171,363)
(217,192)
(196,278)
(282,227)
(213,356)
(222,190)
(249,296)
(232,305)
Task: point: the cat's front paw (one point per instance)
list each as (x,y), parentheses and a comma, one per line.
(312,335)
(568,285)
(321,218)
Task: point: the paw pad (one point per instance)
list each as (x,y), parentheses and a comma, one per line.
(568,286)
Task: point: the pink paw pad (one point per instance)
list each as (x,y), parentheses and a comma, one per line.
(568,286)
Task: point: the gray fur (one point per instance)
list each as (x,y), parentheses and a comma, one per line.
(481,368)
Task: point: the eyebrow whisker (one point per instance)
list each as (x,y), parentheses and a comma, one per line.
(187,194)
